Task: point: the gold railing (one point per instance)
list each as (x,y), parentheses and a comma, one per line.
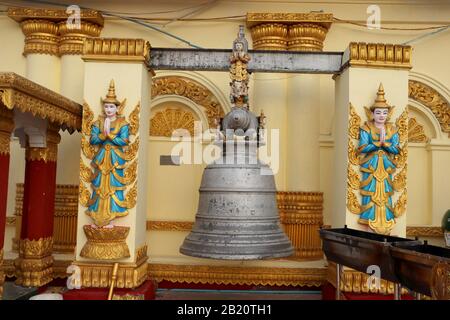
(65,221)
(301,217)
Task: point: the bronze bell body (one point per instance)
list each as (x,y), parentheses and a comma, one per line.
(237,217)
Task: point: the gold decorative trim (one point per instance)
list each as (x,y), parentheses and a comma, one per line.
(266,276)
(27,96)
(169,225)
(165,122)
(50,153)
(133,119)
(301,217)
(105,243)
(86,173)
(35,249)
(433,100)
(270,36)
(113,49)
(379,55)
(353,204)
(71,41)
(353,156)
(192,90)
(98,275)
(254,18)
(402,126)
(399,181)
(400,205)
(424,231)
(353,178)
(84,195)
(354,123)
(141,254)
(356,282)
(42,154)
(87,148)
(20,14)
(416,132)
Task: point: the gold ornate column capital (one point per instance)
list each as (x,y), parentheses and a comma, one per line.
(307,36)
(41,37)
(269,36)
(72,40)
(54,31)
(289,31)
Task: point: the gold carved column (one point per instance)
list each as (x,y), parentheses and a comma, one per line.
(301,216)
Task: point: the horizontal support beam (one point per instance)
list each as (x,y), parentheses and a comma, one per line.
(261,61)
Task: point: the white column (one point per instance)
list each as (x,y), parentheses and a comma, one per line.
(269,96)
(303,116)
(440,186)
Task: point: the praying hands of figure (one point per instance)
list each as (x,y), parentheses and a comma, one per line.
(107,126)
(382,135)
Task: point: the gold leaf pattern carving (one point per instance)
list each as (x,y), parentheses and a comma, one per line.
(400,179)
(134,119)
(165,122)
(416,132)
(402,126)
(433,100)
(400,205)
(88,149)
(352,202)
(88,118)
(353,178)
(354,123)
(192,90)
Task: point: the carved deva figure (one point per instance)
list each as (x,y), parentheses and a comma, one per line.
(378,144)
(111,133)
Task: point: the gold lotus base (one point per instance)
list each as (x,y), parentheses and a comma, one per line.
(34,272)
(105,243)
(99,275)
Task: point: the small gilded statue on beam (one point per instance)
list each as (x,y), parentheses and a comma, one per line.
(238,71)
(378,146)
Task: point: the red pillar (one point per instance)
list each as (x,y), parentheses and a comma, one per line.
(34,265)
(6,127)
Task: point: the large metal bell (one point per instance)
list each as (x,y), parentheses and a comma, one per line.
(237,215)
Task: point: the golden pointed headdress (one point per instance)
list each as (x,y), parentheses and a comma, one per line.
(111,96)
(380,101)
